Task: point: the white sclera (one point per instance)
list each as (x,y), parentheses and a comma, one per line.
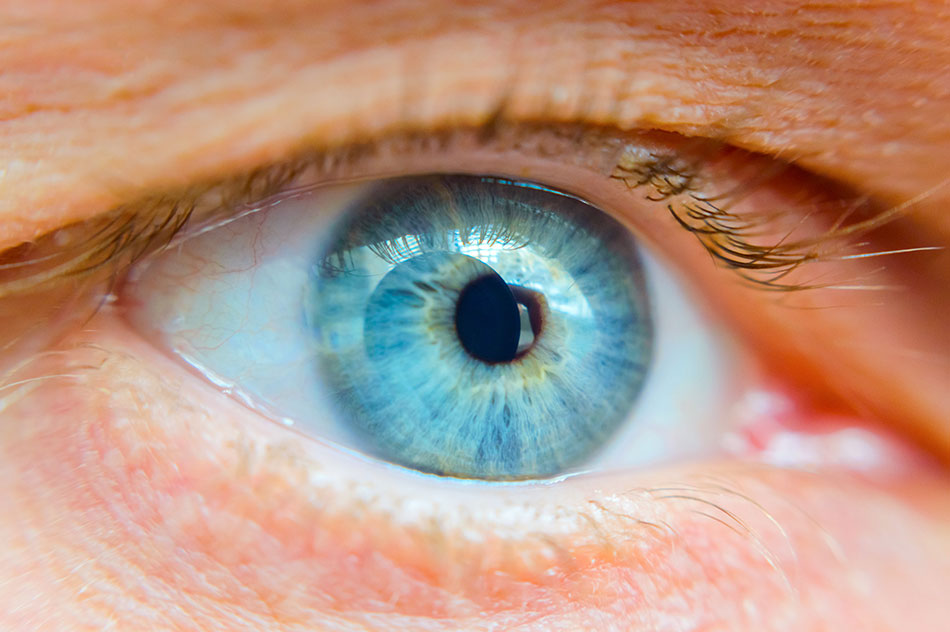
(692,384)
(229,302)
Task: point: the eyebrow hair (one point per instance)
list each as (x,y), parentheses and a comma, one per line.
(109,243)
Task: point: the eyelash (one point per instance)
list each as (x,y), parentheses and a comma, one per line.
(110,243)
(730,238)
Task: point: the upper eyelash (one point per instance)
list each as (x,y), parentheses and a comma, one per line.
(122,236)
(730,238)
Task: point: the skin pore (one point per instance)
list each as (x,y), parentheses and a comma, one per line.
(139,497)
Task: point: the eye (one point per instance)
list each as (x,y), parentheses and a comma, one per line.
(473,327)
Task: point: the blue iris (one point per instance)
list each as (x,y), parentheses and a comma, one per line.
(480,328)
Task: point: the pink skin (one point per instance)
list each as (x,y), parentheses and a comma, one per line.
(139,497)
(150,499)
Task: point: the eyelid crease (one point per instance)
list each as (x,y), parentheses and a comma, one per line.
(115,239)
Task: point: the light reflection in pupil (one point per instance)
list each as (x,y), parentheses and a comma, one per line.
(496,322)
(527,335)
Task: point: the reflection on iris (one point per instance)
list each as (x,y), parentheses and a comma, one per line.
(476,328)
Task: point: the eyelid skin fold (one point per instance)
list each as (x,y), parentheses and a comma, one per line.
(765,85)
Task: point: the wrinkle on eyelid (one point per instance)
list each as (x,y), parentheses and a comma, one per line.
(174,108)
(185,497)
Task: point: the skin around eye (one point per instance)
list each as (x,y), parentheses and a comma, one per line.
(191,511)
(170,473)
(137,497)
(180,485)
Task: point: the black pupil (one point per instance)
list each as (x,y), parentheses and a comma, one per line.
(491,319)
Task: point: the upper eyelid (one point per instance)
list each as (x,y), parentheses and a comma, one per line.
(119,237)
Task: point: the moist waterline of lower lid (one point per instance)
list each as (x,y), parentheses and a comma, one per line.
(160,450)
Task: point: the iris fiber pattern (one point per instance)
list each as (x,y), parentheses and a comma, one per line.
(382,304)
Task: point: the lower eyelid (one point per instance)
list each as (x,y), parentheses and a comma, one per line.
(196,486)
